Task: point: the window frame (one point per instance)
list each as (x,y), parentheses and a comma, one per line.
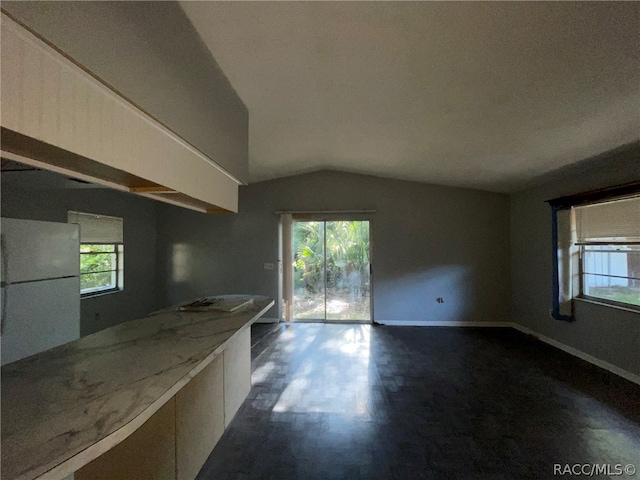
(118,271)
(100,229)
(582,273)
(561,305)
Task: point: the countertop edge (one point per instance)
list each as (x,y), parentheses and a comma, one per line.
(92,452)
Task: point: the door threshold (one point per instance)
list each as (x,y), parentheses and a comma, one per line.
(317,320)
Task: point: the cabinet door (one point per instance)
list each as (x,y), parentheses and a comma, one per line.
(199,419)
(148,454)
(237,373)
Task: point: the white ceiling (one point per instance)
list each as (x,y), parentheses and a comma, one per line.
(481,95)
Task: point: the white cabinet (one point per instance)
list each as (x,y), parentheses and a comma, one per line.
(178,438)
(56,115)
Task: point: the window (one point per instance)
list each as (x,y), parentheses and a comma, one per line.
(608,236)
(99,267)
(101,253)
(611,272)
(596,248)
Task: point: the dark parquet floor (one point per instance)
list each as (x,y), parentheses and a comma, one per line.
(365,402)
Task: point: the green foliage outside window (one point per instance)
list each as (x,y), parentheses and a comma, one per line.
(347,244)
(98,267)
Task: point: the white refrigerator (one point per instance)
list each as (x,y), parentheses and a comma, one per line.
(40,286)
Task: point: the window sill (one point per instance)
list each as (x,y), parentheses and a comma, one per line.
(610,305)
(101,293)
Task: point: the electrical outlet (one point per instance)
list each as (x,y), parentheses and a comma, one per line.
(268,266)
(440,300)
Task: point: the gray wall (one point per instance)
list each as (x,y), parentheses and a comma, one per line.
(139,49)
(605,332)
(139,295)
(427,242)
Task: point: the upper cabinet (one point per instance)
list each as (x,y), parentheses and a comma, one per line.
(124,94)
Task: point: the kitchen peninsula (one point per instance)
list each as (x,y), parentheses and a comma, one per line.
(144,399)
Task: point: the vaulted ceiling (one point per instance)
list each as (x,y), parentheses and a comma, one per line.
(473,94)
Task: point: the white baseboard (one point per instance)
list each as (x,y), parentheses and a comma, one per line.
(632,377)
(267,320)
(421,323)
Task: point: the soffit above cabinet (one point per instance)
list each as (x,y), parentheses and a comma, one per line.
(59,116)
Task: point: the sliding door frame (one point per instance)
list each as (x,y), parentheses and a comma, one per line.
(285,280)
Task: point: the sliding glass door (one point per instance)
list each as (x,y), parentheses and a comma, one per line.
(331,274)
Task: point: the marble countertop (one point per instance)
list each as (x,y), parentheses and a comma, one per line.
(66,406)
